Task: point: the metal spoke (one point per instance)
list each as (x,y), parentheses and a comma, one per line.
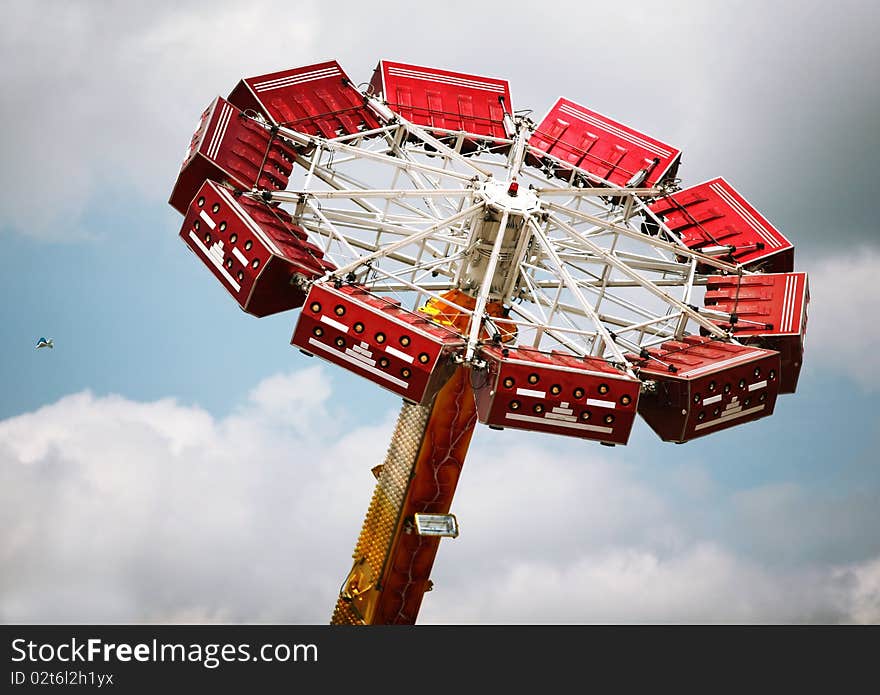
(647,284)
(411,227)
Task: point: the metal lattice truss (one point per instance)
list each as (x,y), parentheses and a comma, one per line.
(582,266)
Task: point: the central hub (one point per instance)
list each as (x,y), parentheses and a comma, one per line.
(497,195)
(503,200)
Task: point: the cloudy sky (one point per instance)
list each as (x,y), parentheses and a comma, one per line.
(173,459)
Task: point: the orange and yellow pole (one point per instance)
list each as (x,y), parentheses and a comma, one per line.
(392,563)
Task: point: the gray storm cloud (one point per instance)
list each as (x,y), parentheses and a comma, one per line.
(103,98)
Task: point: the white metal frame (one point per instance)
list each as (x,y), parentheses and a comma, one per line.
(403,212)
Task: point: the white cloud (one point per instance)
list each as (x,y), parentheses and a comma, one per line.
(842,330)
(115,510)
(702,584)
(862,591)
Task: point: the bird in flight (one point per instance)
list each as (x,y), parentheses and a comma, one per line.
(44,342)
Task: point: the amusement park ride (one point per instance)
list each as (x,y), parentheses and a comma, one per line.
(549,276)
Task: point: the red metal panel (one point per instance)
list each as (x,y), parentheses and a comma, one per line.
(253,249)
(594,143)
(771,312)
(442,99)
(316,99)
(703,386)
(229,147)
(378,339)
(552,392)
(713,214)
